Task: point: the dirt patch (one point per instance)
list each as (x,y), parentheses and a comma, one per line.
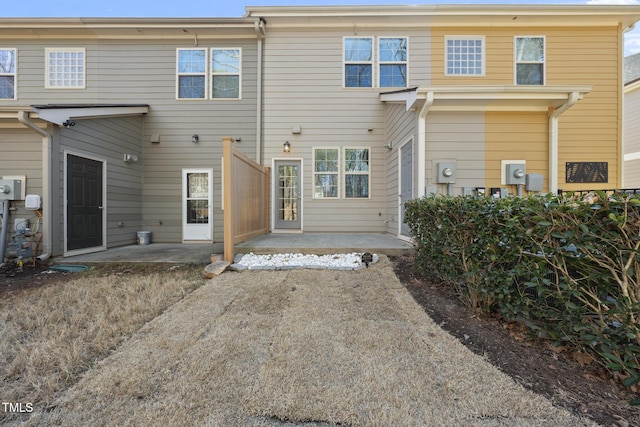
(566,379)
(558,376)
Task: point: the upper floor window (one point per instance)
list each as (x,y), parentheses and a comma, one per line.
(7,73)
(529,60)
(192,73)
(225,73)
(65,68)
(221,65)
(464,55)
(358,62)
(393,61)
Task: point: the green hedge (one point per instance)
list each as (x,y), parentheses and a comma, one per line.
(567,267)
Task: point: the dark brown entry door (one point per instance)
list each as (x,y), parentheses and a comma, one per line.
(84,203)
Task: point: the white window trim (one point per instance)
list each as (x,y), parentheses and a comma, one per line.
(239,74)
(342,168)
(483,39)
(380,62)
(338,173)
(205,74)
(14,74)
(516,62)
(375,62)
(48,50)
(372,62)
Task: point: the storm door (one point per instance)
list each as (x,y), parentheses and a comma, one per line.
(197,206)
(85,209)
(287,193)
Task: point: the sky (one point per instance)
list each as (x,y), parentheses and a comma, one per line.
(235,8)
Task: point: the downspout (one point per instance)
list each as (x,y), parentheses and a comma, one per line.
(422,145)
(553,139)
(23,117)
(259,27)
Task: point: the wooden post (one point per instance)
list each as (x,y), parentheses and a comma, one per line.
(227,153)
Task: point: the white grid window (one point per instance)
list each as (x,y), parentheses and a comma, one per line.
(65,68)
(192,73)
(393,59)
(8,73)
(225,73)
(464,55)
(341,173)
(358,62)
(529,58)
(326,173)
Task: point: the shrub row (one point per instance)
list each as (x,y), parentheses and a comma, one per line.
(567,267)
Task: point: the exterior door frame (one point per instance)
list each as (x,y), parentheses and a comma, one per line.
(274,195)
(412,171)
(208,228)
(65,215)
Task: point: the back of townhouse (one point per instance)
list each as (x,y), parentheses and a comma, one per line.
(112,109)
(379,103)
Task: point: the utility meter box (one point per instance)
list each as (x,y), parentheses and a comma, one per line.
(515,174)
(10,189)
(534,182)
(446,173)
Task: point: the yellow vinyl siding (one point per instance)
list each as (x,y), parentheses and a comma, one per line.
(590,130)
(516,136)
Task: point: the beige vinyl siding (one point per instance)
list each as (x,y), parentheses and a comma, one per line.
(401,127)
(106,139)
(21,155)
(457,137)
(144,72)
(303,86)
(516,136)
(632,137)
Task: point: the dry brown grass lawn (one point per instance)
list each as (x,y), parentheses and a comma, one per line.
(261,348)
(50,336)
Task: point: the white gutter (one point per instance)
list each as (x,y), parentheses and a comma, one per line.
(259,27)
(23,117)
(553,139)
(422,145)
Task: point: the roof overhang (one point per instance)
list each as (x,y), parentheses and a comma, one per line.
(486,98)
(131,28)
(59,114)
(446,15)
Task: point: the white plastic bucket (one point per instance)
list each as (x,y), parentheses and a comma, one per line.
(144,237)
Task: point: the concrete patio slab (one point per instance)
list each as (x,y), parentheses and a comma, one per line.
(307,243)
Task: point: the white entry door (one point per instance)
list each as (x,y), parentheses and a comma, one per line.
(197,212)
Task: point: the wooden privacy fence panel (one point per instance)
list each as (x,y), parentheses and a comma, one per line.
(246,198)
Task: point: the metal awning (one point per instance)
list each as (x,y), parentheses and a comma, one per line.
(61,113)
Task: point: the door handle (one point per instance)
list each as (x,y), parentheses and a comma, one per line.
(100,207)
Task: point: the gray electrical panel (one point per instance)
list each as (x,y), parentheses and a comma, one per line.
(446,173)
(515,173)
(10,189)
(534,182)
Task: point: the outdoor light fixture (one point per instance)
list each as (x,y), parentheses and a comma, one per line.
(68,123)
(286,147)
(195,138)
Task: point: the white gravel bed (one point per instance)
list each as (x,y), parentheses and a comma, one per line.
(288,261)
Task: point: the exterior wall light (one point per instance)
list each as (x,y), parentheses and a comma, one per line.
(195,138)
(286,147)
